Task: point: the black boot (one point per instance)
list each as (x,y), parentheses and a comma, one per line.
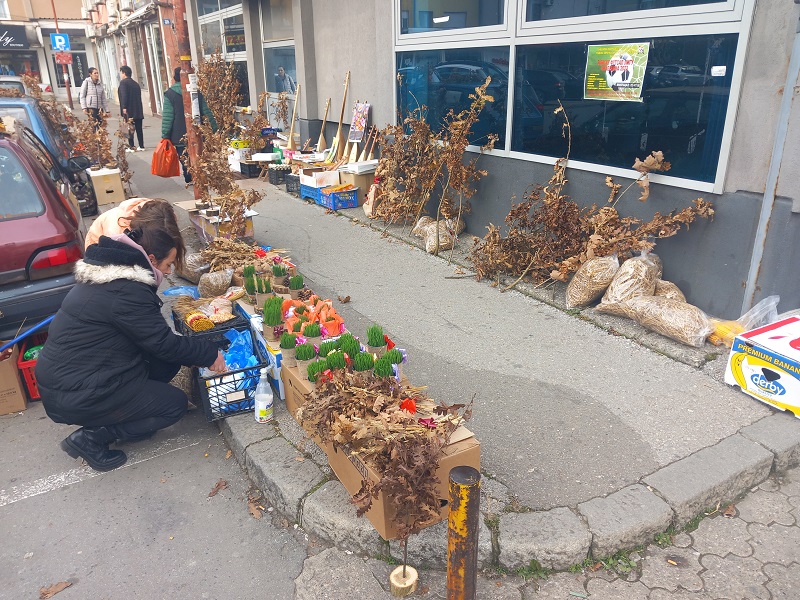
(91,444)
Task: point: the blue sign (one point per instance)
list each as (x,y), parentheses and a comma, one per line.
(269,130)
(59,42)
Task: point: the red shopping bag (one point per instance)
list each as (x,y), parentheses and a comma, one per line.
(165,160)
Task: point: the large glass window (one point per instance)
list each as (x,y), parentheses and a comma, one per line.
(211,37)
(682,110)
(276,18)
(274,59)
(234,34)
(206,7)
(542,10)
(441,80)
(418,16)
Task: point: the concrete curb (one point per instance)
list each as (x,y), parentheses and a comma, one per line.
(294,477)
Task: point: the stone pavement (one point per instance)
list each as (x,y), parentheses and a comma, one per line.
(630,446)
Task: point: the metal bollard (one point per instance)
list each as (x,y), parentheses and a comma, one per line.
(462,533)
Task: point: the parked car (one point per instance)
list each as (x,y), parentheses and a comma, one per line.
(16,82)
(41,232)
(26,111)
(553,84)
(675,75)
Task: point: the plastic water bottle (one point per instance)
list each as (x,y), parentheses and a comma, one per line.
(263,412)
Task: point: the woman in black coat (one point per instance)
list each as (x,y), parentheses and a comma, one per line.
(110,353)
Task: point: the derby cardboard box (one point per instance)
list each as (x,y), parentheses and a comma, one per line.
(318,177)
(12,394)
(463,450)
(765,364)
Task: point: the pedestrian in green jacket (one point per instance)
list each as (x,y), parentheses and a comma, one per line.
(173,119)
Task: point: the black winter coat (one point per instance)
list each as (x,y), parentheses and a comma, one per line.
(94,359)
(130,97)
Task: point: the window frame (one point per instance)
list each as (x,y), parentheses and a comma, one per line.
(736,18)
(464,34)
(274,44)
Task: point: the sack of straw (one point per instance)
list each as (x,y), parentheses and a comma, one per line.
(678,320)
(636,277)
(669,290)
(591,280)
(215,284)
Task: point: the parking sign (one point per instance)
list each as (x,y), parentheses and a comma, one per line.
(59,42)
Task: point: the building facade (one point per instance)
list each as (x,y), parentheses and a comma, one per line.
(719,78)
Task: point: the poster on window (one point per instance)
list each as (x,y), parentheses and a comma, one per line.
(359,123)
(616,71)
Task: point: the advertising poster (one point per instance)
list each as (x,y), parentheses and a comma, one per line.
(358,125)
(616,71)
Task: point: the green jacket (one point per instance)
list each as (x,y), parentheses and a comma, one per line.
(175,131)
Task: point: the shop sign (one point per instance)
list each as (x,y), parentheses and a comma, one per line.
(13,36)
(616,71)
(63,58)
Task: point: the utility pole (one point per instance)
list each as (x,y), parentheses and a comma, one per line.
(64,68)
(194,143)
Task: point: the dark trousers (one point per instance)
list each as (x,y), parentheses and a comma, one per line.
(94,115)
(186,175)
(152,406)
(137,125)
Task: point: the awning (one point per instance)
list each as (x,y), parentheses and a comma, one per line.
(135,16)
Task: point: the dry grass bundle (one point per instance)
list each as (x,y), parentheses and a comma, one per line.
(672,318)
(591,280)
(636,277)
(669,290)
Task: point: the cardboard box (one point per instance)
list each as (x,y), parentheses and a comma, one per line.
(107,186)
(12,394)
(318,177)
(765,364)
(463,450)
(210,227)
(362,182)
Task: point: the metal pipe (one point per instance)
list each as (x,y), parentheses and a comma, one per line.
(462,533)
(22,336)
(773,173)
(64,69)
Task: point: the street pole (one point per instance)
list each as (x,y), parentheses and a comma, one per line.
(194,143)
(64,68)
(462,533)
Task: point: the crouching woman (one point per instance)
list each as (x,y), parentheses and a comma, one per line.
(110,354)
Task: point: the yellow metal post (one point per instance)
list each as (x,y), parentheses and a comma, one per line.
(462,533)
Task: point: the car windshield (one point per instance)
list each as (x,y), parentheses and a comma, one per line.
(14,117)
(20,197)
(14,85)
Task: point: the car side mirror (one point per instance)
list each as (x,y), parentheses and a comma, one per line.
(78,163)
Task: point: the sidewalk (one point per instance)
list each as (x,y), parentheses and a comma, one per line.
(591,443)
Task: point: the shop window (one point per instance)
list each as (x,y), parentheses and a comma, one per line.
(420,16)
(19,63)
(206,7)
(234,34)
(543,10)
(276,20)
(274,59)
(437,81)
(211,37)
(681,109)
(240,68)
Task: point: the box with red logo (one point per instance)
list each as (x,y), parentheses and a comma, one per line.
(765,364)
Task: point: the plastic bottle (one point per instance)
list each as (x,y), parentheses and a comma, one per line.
(263,413)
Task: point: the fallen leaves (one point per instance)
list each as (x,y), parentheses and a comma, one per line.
(49,592)
(344,299)
(228,454)
(730,511)
(219,486)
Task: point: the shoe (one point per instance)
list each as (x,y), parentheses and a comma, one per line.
(129,150)
(91,444)
(140,149)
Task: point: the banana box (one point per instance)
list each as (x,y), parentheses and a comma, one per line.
(765,364)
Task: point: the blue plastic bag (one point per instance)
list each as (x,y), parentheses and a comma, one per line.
(183,290)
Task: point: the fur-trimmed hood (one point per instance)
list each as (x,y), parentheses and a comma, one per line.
(99,274)
(115,258)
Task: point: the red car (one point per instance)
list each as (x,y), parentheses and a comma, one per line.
(41,232)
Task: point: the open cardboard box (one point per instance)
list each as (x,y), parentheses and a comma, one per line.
(12,394)
(463,450)
(318,177)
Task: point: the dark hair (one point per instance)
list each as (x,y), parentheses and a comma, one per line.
(159,230)
(126,70)
(92,70)
(176,74)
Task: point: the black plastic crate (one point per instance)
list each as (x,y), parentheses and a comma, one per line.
(232,393)
(215,335)
(250,169)
(292,183)
(277,176)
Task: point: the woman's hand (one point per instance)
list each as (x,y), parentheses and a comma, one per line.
(219,365)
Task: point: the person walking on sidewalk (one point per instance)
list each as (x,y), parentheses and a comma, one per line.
(130,103)
(173,119)
(110,354)
(92,96)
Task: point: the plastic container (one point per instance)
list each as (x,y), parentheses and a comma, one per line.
(312,193)
(264,399)
(215,335)
(27,367)
(292,183)
(339,200)
(250,169)
(277,176)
